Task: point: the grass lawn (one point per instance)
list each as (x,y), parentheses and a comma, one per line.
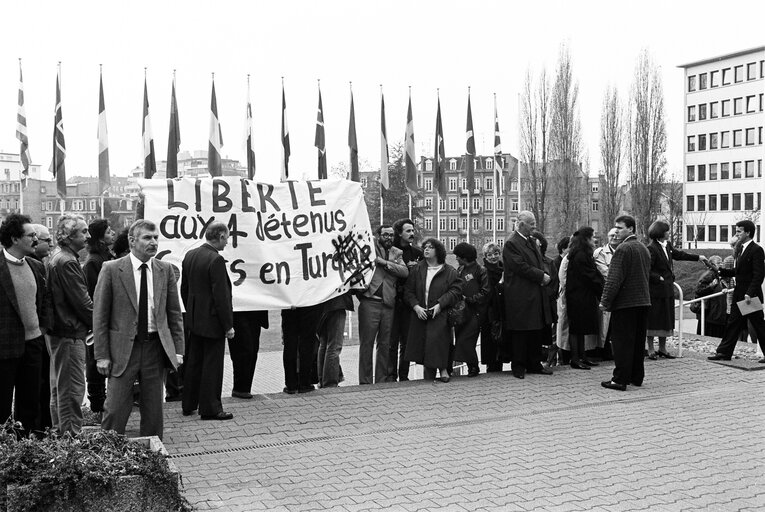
(687,273)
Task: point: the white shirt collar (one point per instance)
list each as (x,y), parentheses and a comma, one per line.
(743,246)
(524,237)
(10,257)
(136,263)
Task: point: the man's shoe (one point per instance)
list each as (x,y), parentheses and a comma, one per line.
(665,355)
(590,363)
(473,372)
(638,384)
(542,371)
(173,398)
(762,360)
(290,391)
(719,357)
(186,412)
(306,389)
(241,394)
(579,366)
(519,374)
(613,385)
(223,415)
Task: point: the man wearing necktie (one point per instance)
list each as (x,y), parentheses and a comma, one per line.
(527,308)
(138,330)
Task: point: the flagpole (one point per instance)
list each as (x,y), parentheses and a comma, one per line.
(62,201)
(382,216)
(437,182)
(21,172)
(496,181)
(466,181)
(520,209)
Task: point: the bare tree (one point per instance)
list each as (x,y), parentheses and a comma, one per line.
(611,150)
(673,195)
(646,142)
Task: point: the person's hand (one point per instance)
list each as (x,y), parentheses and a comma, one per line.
(230,333)
(748,299)
(703,258)
(661,278)
(601,306)
(411,264)
(381,261)
(179,358)
(104,367)
(421,313)
(546,280)
(436,310)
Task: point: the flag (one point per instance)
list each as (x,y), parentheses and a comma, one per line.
(216,139)
(320,142)
(21,132)
(59,146)
(285,139)
(439,156)
(383,147)
(470,149)
(104,179)
(250,150)
(411,166)
(149,160)
(353,145)
(173,137)
(498,163)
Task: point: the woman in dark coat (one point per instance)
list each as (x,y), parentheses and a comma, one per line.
(661,280)
(584,286)
(432,288)
(475,291)
(491,330)
(716,314)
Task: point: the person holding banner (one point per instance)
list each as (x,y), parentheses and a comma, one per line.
(300,356)
(206,294)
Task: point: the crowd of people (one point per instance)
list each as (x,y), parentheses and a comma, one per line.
(113,325)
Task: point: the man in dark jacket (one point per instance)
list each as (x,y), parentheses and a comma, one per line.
(72,320)
(527,305)
(330,330)
(206,294)
(243,349)
(626,296)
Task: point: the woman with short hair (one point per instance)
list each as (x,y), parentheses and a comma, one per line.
(475,292)
(493,345)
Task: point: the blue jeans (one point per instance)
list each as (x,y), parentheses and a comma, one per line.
(67,382)
(330,345)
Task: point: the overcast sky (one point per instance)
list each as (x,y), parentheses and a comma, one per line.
(488,45)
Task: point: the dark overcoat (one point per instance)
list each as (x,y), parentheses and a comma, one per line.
(12,337)
(527,305)
(429,341)
(661,266)
(584,286)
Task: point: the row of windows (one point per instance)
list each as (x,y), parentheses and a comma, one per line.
(702,233)
(722,140)
(711,203)
(725,76)
(488,204)
(451,242)
(722,171)
(488,164)
(11,204)
(453,223)
(715,109)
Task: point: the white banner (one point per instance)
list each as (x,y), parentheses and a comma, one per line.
(297,243)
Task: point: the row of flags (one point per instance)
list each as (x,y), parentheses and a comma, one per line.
(57,167)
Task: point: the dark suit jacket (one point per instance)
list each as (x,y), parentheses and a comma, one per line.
(661,266)
(11,328)
(527,305)
(749,272)
(206,293)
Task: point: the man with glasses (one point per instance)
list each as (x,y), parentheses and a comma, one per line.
(603,256)
(376,305)
(44,243)
(42,252)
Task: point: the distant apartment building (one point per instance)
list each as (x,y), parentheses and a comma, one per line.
(723,146)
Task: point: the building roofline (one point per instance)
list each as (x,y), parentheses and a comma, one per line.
(723,57)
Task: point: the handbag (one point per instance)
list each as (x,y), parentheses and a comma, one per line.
(457,314)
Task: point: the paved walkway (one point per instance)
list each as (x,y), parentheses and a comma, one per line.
(689,439)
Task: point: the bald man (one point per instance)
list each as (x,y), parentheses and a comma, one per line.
(44,242)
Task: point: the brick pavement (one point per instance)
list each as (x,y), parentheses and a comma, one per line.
(689,439)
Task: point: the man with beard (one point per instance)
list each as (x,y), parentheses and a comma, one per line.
(403,238)
(376,305)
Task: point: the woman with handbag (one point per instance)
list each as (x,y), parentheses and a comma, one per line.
(433,286)
(492,345)
(475,294)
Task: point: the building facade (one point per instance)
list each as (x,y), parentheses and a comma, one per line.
(723,146)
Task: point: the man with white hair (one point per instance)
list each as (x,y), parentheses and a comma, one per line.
(44,243)
(603,256)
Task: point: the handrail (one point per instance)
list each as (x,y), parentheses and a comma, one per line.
(703,312)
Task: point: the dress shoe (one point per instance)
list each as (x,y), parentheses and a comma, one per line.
(241,394)
(173,398)
(638,384)
(542,371)
(719,357)
(590,363)
(762,360)
(579,366)
(652,356)
(519,374)
(613,385)
(665,355)
(445,378)
(223,415)
(290,391)
(473,372)
(306,389)
(188,413)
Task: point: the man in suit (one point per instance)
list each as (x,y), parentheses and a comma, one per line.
(749,271)
(376,305)
(23,321)
(626,296)
(243,350)
(527,306)
(138,330)
(42,252)
(206,294)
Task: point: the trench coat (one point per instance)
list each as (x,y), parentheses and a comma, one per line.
(527,304)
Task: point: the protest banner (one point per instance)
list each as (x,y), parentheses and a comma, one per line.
(297,243)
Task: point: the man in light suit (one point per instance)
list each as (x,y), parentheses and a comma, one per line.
(138,330)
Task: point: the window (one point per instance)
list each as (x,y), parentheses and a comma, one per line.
(501,204)
(724,139)
(726,76)
(690,233)
(488,184)
(714,79)
(463,223)
(712,171)
(464,203)
(701,233)
(476,203)
(737,136)
(749,201)
(500,223)
(713,141)
(452,184)
(428,184)
(453,204)
(738,74)
(452,223)
(749,169)
(487,223)
(750,138)
(761,96)
(428,204)
(428,223)
(363,183)
(751,71)
(452,165)
(690,173)
(723,233)
(442,224)
(477,183)
(762,69)
(702,81)
(594,187)
(702,142)
(690,203)
(514,205)
(452,243)
(441,205)
(701,203)
(751,104)
(489,164)
(691,113)
(714,109)
(463,183)
(691,143)
(724,202)
(759,168)
(489,204)
(92,204)
(428,165)
(49,205)
(738,106)
(713,202)
(736,202)
(725,108)
(514,186)
(702,112)
(702,172)
(49,222)
(595,206)
(736,170)
(42,206)
(691,83)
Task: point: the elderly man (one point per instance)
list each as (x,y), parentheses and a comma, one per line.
(527,306)
(44,243)
(42,252)
(137,326)
(23,311)
(72,320)
(603,256)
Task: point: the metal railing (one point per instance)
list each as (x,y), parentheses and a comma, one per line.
(702,320)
